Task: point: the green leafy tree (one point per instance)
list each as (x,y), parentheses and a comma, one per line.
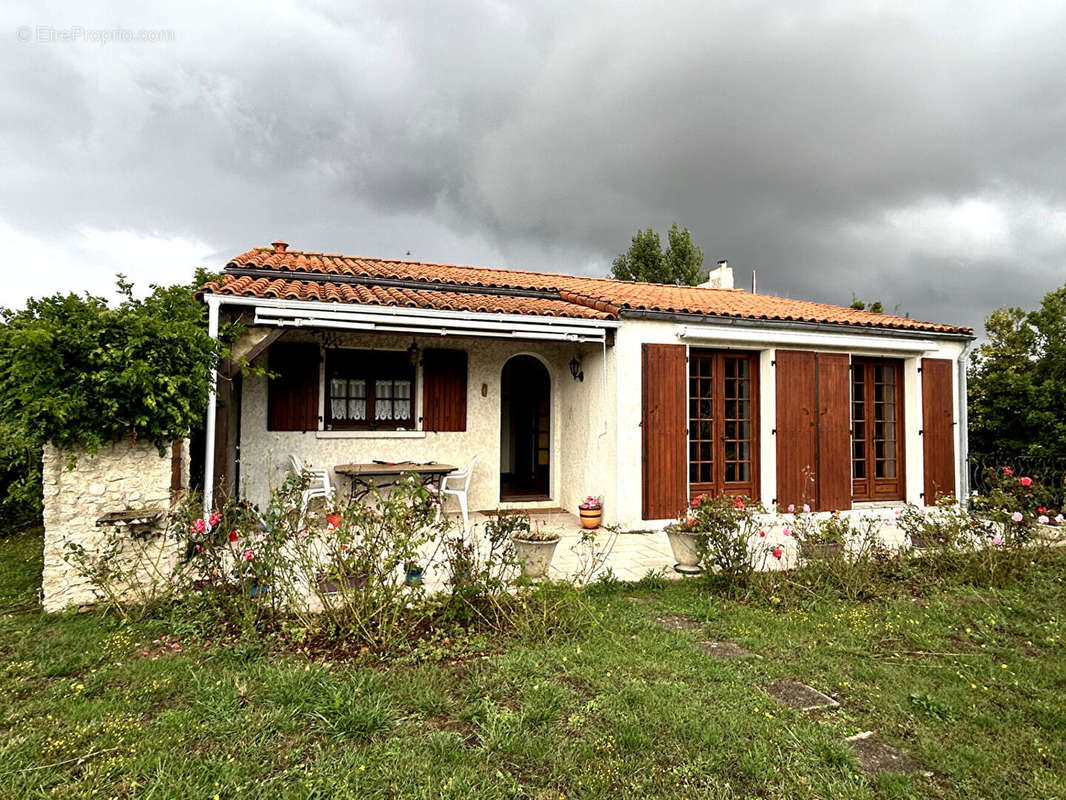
(681,264)
(1017,382)
(77,371)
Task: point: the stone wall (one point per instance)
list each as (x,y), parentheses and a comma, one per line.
(120,477)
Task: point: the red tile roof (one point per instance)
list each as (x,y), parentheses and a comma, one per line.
(326,291)
(307,275)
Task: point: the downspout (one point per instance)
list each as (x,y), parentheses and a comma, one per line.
(964,430)
(213,302)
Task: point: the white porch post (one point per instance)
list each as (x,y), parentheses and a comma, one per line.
(213,302)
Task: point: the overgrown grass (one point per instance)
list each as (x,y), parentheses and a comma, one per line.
(967,680)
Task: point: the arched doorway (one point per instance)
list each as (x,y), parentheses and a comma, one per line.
(525,430)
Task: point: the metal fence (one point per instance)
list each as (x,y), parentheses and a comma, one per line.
(1048,470)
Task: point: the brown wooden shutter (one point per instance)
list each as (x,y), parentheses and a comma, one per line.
(813,429)
(292,392)
(834,431)
(938,428)
(444,393)
(797,433)
(664,389)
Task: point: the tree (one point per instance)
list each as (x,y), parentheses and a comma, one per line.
(1017,382)
(78,371)
(645,261)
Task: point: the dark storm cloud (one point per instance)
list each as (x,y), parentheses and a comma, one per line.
(913,155)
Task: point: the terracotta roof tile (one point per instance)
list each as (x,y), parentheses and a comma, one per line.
(327,291)
(577,295)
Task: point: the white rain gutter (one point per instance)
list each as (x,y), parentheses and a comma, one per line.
(212,394)
(849,341)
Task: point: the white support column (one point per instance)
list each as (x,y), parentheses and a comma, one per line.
(767,425)
(212,398)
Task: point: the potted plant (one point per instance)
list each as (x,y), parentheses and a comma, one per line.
(534,547)
(687,542)
(591,512)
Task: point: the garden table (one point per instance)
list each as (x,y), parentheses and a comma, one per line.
(381,474)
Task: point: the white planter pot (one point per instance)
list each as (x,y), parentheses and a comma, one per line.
(686,551)
(535,557)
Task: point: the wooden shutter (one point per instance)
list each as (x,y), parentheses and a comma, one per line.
(797,433)
(292,392)
(664,431)
(444,393)
(813,429)
(938,428)
(833,372)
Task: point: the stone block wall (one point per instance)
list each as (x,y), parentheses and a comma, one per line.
(120,477)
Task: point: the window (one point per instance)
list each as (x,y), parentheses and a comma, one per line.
(876,429)
(723,395)
(369,389)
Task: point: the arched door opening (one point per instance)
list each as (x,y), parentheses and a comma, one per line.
(525,435)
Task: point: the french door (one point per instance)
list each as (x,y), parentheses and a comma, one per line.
(723,429)
(877,459)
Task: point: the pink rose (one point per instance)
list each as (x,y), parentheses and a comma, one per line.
(997,540)
(791,507)
(1043,519)
(1025,481)
(1016,516)
(214,519)
(248,555)
(806,508)
(787,532)
(198,527)
(1008,471)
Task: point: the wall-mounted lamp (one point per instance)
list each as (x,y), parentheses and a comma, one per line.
(413,353)
(575,369)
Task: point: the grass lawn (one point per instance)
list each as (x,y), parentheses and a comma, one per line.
(970,682)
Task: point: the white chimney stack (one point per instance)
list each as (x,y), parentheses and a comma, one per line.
(720,278)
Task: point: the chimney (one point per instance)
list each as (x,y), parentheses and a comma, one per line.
(280,247)
(720,278)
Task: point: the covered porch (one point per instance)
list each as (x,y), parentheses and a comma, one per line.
(526,399)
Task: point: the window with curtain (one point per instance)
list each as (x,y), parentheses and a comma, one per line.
(371,389)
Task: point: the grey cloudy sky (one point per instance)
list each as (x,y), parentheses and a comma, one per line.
(914,153)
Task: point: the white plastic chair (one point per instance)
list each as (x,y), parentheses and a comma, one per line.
(458,491)
(318,486)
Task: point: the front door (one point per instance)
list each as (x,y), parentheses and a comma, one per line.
(525,430)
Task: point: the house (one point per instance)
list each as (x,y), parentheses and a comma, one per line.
(564,386)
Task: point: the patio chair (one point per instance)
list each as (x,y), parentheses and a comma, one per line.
(456,485)
(319,485)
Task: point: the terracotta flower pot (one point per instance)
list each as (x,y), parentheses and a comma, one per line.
(686,548)
(590,517)
(535,557)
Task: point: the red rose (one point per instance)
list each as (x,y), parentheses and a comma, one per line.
(778,552)
(1042,509)
(333,521)
(1025,481)
(762,533)
(738,502)
(233,536)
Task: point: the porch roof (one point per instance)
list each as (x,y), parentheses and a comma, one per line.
(282,273)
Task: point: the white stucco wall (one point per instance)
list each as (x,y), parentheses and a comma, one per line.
(635,332)
(581,461)
(596,434)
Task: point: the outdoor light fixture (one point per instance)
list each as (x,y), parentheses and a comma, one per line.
(413,352)
(575,369)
